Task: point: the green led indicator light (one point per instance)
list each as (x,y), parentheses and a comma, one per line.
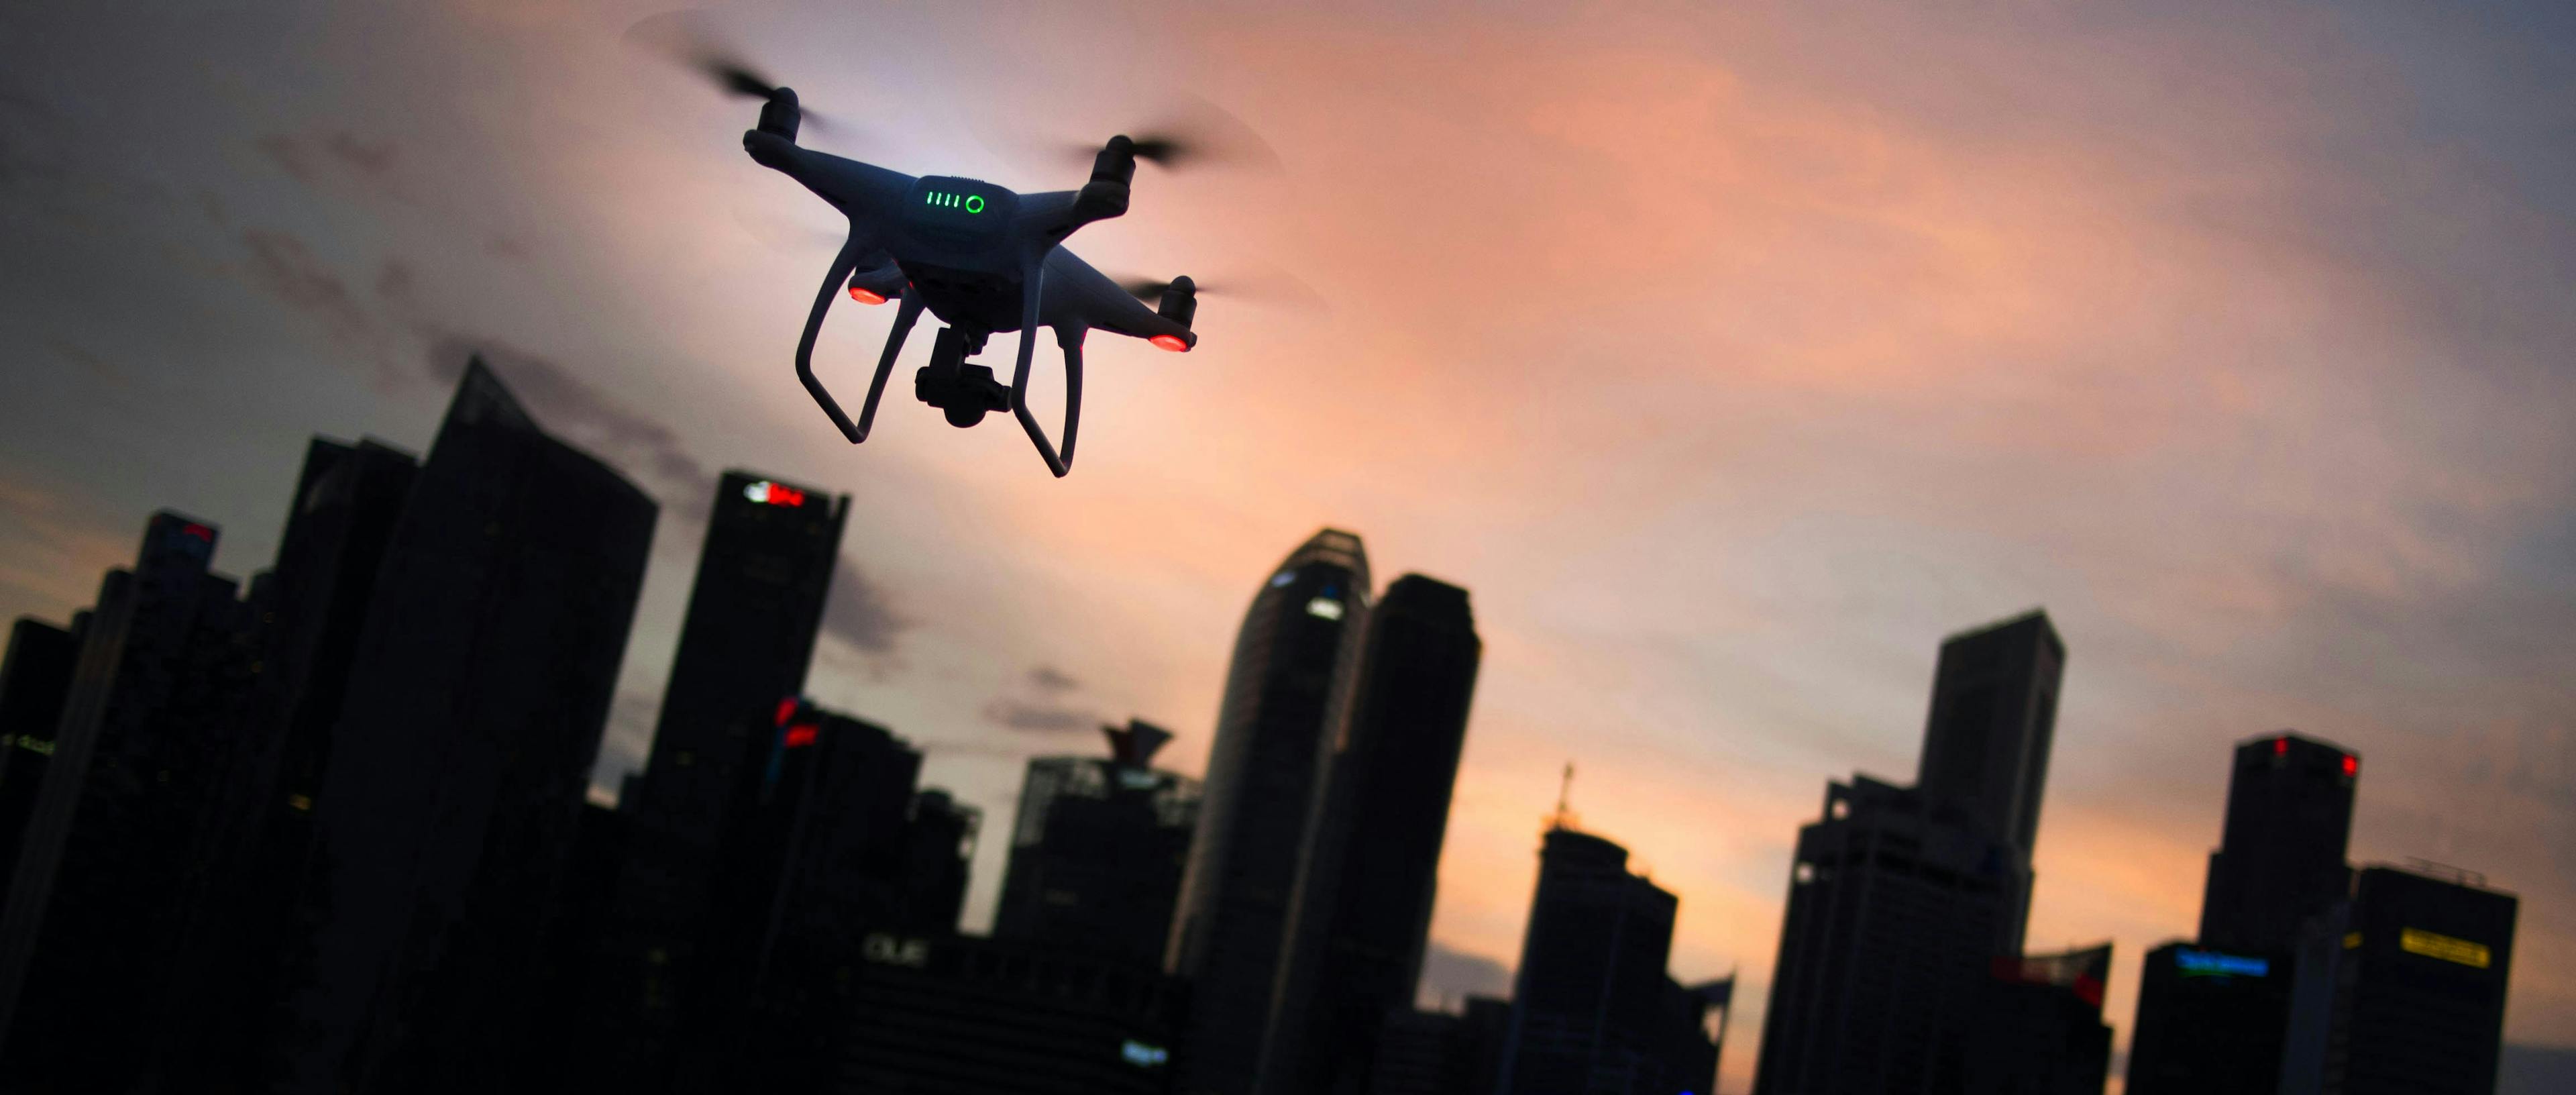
(972,203)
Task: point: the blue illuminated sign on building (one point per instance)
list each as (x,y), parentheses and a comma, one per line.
(2213,964)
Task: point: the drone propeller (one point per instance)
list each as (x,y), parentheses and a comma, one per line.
(683,37)
(1190,134)
(1273,287)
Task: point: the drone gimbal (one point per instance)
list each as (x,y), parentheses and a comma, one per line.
(982,259)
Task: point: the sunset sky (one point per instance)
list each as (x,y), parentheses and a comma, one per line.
(1730,354)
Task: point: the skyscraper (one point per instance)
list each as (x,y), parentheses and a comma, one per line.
(2209,1022)
(103,882)
(1362,912)
(755,607)
(1592,1008)
(1292,662)
(2280,859)
(1994,713)
(1895,905)
(826,844)
(231,977)
(476,696)
(1097,854)
(2039,1028)
(2213,1016)
(2403,990)
(965,1015)
(35,676)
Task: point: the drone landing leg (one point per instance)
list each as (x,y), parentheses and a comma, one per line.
(805,346)
(1020,381)
(905,315)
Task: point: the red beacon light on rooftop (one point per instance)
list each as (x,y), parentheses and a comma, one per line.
(2351,765)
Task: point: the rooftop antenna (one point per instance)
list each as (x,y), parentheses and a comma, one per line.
(1564,818)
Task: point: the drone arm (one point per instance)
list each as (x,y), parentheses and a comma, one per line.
(1070,339)
(841,267)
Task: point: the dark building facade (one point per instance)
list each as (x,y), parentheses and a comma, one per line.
(2039,1028)
(1986,741)
(826,844)
(1592,1009)
(2213,1015)
(35,678)
(2403,990)
(755,608)
(961,1015)
(2210,1022)
(2280,859)
(1437,1053)
(1098,850)
(1900,898)
(1293,660)
(1895,906)
(460,758)
(1362,907)
(234,971)
(108,870)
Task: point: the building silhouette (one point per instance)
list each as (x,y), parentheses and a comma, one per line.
(2213,1014)
(2210,1022)
(2280,860)
(755,607)
(35,678)
(1362,905)
(2403,988)
(963,1015)
(1097,854)
(1986,741)
(825,842)
(233,972)
(477,692)
(1592,1009)
(2039,1028)
(108,870)
(1901,898)
(1440,1053)
(1292,664)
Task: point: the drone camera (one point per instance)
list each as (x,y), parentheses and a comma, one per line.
(966,393)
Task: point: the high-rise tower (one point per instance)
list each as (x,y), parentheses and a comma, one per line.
(2280,858)
(1292,661)
(1592,1009)
(1362,913)
(1901,898)
(754,610)
(460,760)
(1097,854)
(1994,711)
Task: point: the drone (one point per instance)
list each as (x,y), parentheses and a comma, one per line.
(980,258)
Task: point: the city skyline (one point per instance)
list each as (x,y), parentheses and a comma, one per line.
(2340,510)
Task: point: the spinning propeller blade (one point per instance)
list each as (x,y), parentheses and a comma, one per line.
(683,37)
(1270,287)
(1192,133)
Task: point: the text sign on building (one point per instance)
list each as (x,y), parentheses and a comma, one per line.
(891,951)
(2435,945)
(2213,964)
(774,494)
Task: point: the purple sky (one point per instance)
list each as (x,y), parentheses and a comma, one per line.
(1731,358)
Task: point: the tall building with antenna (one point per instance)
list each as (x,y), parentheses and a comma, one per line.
(1293,661)
(1592,1008)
